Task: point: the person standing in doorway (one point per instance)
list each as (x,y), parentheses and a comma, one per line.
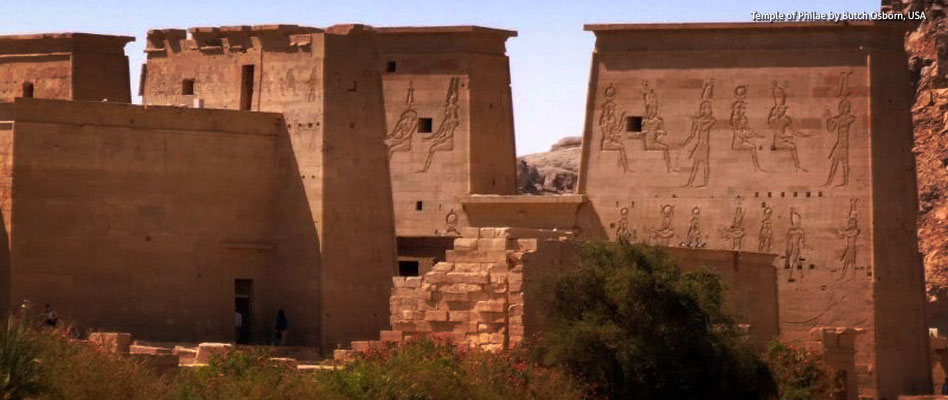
(281,326)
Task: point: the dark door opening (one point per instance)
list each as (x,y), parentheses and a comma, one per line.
(27,90)
(243,315)
(408,268)
(246,87)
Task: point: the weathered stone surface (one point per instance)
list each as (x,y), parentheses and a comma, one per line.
(207,351)
(112,342)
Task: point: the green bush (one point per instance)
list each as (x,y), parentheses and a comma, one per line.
(630,323)
(429,368)
(19,370)
(800,375)
(240,375)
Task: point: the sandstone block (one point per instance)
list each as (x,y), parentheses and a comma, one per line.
(496,244)
(515,330)
(436,277)
(526,245)
(475,256)
(491,306)
(390,336)
(471,232)
(285,362)
(186,355)
(515,298)
(515,286)
(207,351)
(159,363)
(112,342)
(437,316)
(470,267)
(468,277)
(139,349)
(443,267)
(461,288)
(459,316)
(491,317)
(465,244)
(498,268)
(413,282)
(515,320)
(515,310)
(398,281)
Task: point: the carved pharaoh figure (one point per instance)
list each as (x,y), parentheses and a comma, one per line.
(850,234)
(451,223)
(653,127)
(765,238)
(735,233)
(784,135)
(443,138)
(399,139)
(701,125)
(694,231)
(796,239)
(662,236)
(840,123)
(745,138)
(624,231)
(609,128)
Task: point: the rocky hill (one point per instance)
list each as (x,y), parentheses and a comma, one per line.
(553,172)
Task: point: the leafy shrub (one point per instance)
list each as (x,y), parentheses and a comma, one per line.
(429,368)
(19,370)
(240,375)
(634,326)
(800,375)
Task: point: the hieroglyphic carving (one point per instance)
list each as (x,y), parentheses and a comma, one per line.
(653,127)
(610,128)
(735,233)
(451,223)
(765,238)
(796,239)
(399,139)
(841,124)
(625,231)
(694,231)
(849,233)
(701,125)
(662,236)
(745,138)
(784,135)
(443,138)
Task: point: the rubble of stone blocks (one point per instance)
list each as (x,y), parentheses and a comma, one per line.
(474,298)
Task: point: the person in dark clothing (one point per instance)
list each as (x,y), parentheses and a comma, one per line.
(49,316)
(281,326)
(944,387)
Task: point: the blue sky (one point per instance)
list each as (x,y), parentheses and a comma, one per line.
(549,60)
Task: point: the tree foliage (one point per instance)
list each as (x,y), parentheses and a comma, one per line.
(636,327)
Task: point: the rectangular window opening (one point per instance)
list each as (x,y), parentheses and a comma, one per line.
(418,205)
(390,66)
(424,125)
(633,124)
(408,268)
(187,87)
(246,87)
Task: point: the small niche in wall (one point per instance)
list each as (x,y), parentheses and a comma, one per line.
(633,124)
(408,268)
(27,90)
(419,205)
(425,125)
(391,66)
(187,87)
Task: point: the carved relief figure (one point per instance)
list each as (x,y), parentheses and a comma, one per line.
(624,231)
(694,231)
(443,138)
(653,127)
(745,138)
(662,236)
(399,139)
(841,124)
(784,135)
(701,125)
(850,233)
(796,239)
(735,233)
(609,128)
(451,223)
(766,236)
